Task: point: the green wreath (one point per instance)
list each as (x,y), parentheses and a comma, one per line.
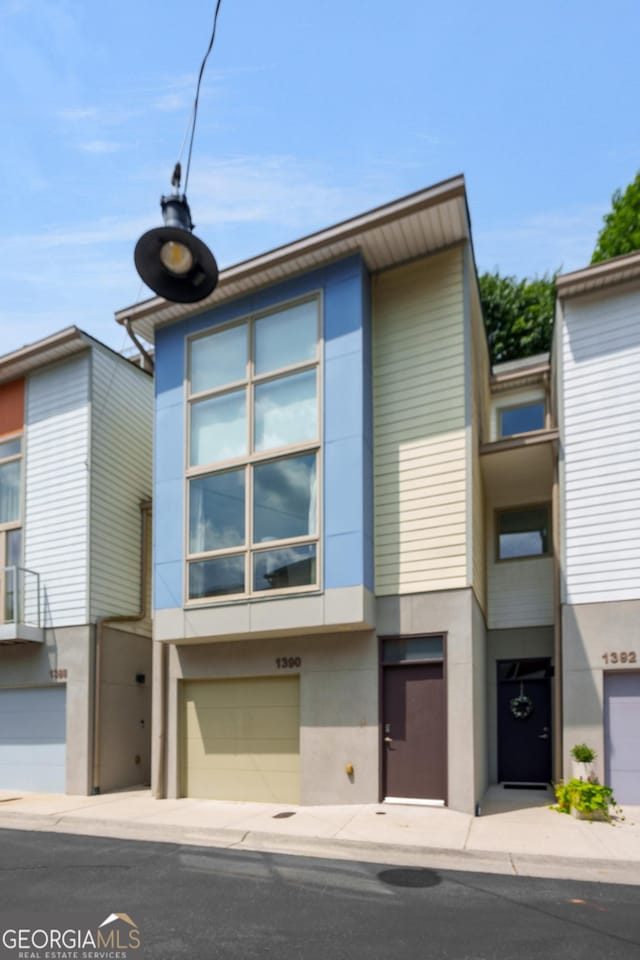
(521,706)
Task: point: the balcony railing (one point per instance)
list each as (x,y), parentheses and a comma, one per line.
(20,604)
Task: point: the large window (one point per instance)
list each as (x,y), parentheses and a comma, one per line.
(253,470)
(523,532)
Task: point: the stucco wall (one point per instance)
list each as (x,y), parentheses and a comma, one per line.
(125,711)
(338,706)
(449,612)
(29,665)
(591,631)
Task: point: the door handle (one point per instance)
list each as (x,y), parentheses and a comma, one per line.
(543,736)
(388,739)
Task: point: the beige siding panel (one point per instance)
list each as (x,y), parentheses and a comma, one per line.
(481,407)
(121,444)
(241,739)
(419,426)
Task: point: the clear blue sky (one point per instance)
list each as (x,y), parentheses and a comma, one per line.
(310,113)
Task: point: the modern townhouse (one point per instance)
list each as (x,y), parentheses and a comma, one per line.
(75,485)
(358,563)
(597,362)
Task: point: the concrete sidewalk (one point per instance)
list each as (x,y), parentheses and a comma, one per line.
(516,833)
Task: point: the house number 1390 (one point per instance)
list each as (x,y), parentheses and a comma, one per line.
(288,663)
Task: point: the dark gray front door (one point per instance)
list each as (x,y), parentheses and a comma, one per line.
(524,721)
(414,731)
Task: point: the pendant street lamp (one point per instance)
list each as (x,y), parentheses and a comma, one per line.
(173,262)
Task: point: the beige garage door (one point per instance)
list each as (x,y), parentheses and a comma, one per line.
(241,739)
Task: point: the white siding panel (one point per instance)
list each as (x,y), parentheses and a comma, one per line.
(601,442)
(56,488)
(419,426)
(121,443)
(520,593)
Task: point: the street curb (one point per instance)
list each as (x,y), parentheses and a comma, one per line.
(478,861)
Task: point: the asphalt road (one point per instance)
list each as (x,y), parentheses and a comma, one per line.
(206,904)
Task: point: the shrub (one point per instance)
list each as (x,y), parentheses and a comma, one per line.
(582,753)
(585,797)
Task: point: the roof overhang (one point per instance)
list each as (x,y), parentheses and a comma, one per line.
(598,276)
(59,345)
(395,233)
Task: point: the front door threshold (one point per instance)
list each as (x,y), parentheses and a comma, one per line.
(415,801)
(525,785)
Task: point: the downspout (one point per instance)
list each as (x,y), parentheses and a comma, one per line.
(101,622)
(557,621)
(147,358)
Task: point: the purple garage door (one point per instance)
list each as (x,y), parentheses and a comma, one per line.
(622,735)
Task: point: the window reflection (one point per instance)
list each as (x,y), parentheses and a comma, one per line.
(287,567)
(284,496)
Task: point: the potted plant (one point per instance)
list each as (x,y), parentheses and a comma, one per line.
(584,799)
(583,757)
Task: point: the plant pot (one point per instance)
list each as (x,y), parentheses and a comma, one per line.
(589,815)
(582,771)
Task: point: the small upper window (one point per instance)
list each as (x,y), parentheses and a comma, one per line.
(523,533)
(523,419)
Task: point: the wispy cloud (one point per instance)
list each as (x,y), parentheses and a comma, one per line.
(100,146)
(78,113)
(276,189)
(172,101)
(554,239)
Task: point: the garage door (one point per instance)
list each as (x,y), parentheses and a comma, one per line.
(241,739)
(622,735)
(32,739)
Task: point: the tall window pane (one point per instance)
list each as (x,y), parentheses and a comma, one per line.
(219,577)
(218,359)
(219,428)
(216,512)
(286,337)
(286,411)
(10,491)
(287,567)
(284,499)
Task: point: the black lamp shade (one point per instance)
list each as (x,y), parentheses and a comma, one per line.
(189,286)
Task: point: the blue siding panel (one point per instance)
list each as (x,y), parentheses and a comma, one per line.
(348,476)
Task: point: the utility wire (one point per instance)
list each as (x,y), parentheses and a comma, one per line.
(197,96)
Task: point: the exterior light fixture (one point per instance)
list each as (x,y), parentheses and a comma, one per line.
(171,260)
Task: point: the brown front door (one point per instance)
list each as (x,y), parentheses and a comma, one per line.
(414,731)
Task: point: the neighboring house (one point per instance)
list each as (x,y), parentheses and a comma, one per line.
(75,483)
(356,557)
(597,359)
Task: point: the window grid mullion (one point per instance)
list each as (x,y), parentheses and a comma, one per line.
(254,458)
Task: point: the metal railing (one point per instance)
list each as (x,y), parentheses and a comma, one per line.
(19,596)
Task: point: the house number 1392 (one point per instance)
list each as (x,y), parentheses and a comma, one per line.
(622,657)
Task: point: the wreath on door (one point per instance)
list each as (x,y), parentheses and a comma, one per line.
(521,706)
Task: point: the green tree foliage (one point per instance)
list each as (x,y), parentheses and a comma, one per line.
(621,231)
(518,315)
